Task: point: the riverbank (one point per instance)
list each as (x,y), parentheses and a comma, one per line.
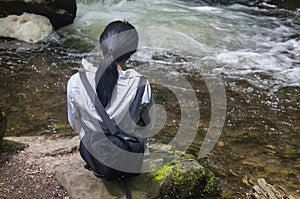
(47,159)
(44,167)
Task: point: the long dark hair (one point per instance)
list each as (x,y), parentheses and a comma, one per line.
(118,42)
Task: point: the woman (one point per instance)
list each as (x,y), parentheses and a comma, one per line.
(126,95)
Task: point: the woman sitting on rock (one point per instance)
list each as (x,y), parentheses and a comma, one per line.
(125,95)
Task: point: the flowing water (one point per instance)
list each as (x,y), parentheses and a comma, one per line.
(254,52)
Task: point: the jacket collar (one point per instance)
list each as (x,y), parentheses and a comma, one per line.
(89,67)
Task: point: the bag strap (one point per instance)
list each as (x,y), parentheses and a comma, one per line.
(106,119)
(127,189)
(98,105)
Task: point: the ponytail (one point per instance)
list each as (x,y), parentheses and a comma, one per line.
(118,42)
(107,76)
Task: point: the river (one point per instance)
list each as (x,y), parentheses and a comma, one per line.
(240,64)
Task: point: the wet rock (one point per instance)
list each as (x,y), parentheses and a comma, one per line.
(264,190)
(286,4)
(184,178)
(3,125)
(60,12)
(26,27)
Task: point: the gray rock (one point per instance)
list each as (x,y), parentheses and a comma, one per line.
(60,12)
(184,178)
(26,27)
(180,176)
(265,190)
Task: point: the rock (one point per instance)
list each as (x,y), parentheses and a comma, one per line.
(180,177)
(286,4)
(27,27)
(264,190)
(3,125)
(9,145)
(184,178)
(60,12)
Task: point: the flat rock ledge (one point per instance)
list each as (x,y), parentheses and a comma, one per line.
(172,174)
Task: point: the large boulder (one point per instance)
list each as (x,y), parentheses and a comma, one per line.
(60,12)
(184,177)
(26,27)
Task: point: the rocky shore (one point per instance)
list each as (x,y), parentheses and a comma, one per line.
(21,178)
(43,160)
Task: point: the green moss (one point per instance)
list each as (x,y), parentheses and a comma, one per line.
(176,174)
(11,145)
(180,154)
(210,180)
(59,127)
(188,156)
(162,172)
(185,178)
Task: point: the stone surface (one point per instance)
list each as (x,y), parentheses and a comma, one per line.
(61,157)
(26,27)
(3,125)
(264,190)
(185,178)
(60,12)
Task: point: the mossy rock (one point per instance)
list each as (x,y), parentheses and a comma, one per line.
(185,178)
(12,145)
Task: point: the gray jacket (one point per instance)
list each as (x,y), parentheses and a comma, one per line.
(84,118)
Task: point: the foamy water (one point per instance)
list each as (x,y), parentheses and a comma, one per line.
(239,43)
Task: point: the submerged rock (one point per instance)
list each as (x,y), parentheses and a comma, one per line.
(26,27)
(60,12)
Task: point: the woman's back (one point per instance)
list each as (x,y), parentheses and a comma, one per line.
(122,107)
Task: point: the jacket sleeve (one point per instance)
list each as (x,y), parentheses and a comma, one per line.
(70,102)
(147,113)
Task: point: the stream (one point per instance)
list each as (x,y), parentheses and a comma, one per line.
(240,64)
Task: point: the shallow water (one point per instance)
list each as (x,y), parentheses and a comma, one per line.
(186,48)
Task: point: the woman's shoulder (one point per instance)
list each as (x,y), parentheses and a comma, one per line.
(73,79)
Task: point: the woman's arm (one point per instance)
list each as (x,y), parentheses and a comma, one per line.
(70,102)
(148,111)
